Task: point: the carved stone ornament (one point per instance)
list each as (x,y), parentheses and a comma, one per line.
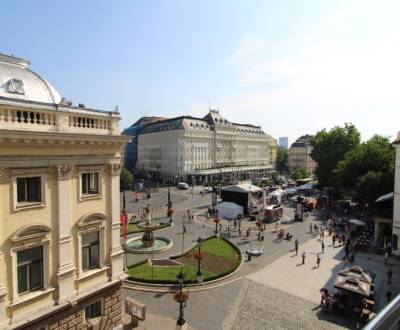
(64,172)
(16,86)
(116,169)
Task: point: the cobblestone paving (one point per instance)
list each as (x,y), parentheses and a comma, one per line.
(261,307)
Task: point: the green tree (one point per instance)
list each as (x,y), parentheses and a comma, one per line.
(329,148)
(282,160)
(368,170)
(126,179)
(299,173)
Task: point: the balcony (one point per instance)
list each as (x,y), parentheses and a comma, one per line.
(59,119)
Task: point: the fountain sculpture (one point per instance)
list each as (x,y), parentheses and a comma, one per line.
(148,243)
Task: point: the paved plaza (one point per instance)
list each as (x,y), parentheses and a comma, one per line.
(272,291)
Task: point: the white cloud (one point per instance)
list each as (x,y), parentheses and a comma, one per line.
(330,80)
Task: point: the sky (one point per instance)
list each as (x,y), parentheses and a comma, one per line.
(293,67)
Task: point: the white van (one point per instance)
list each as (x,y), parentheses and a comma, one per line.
(183,185)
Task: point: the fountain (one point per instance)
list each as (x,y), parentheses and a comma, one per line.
(148,243)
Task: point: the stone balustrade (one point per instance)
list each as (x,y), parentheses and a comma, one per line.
(79,121)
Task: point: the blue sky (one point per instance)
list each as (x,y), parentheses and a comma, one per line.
(293,67)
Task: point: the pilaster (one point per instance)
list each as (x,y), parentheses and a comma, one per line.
(116,253)
(3,291)
(65,269)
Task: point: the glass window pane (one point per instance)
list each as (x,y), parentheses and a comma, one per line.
(84,183)
(22,279)
(90,238)
(21,184)
(96,309)
(87,312)
(94,256)
(30,255)
(36,275)
(85,258)
(34,189)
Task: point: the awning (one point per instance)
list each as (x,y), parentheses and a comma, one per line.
(384,198)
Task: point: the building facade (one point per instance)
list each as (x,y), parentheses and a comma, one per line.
(131,148)
(299,155)
(200,150)
(396,199)
(61,261)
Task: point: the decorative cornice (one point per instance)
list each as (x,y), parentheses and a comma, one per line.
(64,172)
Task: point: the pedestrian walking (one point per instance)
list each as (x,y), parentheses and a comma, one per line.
(276,226)
(316,227)
(386,258)
(323,234)
(220,227)
(234,224)
(296,246)
(389,276)
(240,232)
(248,232)
(318,260)
(303,258)
(310,228)
(322,246)
(333,239)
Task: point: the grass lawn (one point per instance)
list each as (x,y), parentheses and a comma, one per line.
(220,259)
(134,228)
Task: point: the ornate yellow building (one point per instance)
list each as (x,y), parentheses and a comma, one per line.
(61,262)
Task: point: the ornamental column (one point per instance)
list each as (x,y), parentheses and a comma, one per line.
(65,267)
(116,253)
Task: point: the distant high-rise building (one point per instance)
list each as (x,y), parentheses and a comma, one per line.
(283,142)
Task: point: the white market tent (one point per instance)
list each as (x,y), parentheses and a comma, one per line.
(242,188)
(278,193)
(229,210)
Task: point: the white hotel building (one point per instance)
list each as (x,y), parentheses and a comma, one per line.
(204,149)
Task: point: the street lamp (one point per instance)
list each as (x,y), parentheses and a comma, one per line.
(170,210)
(181,298)
(199,255)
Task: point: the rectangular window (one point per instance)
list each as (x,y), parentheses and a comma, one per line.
(30,269)
(90,183)
(29,190)
(93,310)
(90,251)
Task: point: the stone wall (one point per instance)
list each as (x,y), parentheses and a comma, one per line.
(73,318)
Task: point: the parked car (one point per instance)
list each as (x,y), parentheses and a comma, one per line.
(183,185)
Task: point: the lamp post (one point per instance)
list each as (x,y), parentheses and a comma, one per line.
(199,255)
(169,207)
(181,298)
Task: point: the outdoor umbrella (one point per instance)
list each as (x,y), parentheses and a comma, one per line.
(352,284)
(356,272)
(357,222)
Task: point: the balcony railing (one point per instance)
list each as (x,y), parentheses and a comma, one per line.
(70,121)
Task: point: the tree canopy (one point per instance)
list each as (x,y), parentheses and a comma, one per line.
(282,160)
(299,173)
(368,170)
(330,147)
(126,179)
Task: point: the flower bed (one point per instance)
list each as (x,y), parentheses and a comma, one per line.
(220,258)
